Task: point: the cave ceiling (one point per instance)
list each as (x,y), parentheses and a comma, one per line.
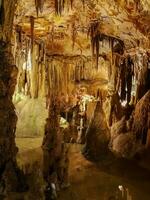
(65,30)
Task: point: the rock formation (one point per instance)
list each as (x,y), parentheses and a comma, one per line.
(97,135)
(9,172)
(87,62)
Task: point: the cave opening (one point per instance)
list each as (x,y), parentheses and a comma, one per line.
(74,99)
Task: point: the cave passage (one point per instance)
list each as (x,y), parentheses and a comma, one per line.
(74,100)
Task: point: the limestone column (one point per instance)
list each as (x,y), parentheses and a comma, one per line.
(9,173)
(52,142)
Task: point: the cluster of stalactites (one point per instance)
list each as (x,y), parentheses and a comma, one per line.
(131,77)
(39,4)
(97,37)
(30,59)
(62,74)
(60,5)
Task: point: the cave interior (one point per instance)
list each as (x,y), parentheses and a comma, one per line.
(75,99)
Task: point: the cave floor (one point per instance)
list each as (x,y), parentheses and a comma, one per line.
(88,180)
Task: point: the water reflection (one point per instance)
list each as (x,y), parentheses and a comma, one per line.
(123,193)
(110,179)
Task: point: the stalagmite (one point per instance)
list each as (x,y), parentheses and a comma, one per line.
(97,136)
(32,31)
(55,161)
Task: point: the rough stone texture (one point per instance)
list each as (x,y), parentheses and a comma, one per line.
(8,119)
(129,137)
(97,136)
(123,141)
(124,145)
(116,129)
(52,142)
(141,120)
(112,108)
(8,72)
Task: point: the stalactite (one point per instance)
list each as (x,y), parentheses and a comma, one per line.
(34,72)
(97,49)
(19,31)
(39,4)
(137,5)
(111,41)
(56,7)
(123,80)
(26,52)
(117,69)
(71,3)
(47,84)
(74,34)
(36,6)
(129,73)
(63,4)
(83,4)
(59,6)
(93,32)
(2,12)
(32,31)
(96,37)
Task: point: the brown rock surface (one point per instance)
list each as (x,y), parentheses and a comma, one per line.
(97,136)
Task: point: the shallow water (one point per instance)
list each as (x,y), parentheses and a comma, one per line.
(118,180)
(109,180)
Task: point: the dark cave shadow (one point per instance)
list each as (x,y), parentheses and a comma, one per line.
(128,171)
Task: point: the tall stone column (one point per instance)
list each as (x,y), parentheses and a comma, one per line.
(9,180)
(51,142)
(8,118)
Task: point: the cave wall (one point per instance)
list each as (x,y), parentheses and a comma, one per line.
(9,174)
